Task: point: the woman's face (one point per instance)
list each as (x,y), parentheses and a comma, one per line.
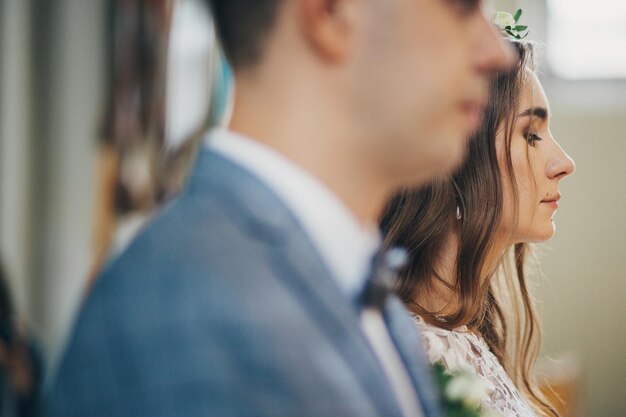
(539,164)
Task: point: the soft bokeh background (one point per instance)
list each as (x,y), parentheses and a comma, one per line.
(53,73)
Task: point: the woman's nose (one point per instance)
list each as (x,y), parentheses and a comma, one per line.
(561,165)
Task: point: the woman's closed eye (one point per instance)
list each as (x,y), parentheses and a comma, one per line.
(532,138)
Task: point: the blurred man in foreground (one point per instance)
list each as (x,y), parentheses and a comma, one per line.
(249,294)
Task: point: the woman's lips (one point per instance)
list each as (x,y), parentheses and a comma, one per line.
(552,201)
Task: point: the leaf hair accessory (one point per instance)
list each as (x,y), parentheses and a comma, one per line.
(507,23)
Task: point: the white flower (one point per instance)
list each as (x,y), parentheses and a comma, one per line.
(465,387)
(503,19)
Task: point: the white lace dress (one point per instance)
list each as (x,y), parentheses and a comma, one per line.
(462,350)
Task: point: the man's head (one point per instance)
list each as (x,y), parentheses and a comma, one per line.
(410,76)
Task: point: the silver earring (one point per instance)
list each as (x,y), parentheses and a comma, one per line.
(458,212)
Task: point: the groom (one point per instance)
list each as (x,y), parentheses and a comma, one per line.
(243,297)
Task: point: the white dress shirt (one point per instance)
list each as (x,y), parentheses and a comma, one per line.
(344,244)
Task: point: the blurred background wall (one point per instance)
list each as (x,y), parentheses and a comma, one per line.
(53,82)
(52,95)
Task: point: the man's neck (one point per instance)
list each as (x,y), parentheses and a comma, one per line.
(312,134)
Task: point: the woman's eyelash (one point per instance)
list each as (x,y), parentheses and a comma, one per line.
(532,138)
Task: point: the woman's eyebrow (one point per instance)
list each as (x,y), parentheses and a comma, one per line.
(540,112)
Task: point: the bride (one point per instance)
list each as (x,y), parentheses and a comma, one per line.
(468,235)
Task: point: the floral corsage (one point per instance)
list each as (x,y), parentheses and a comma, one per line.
(461,393)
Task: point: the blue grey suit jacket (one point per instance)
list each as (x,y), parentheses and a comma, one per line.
(222,307)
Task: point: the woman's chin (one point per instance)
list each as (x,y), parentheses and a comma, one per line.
(543,234)
(536,234)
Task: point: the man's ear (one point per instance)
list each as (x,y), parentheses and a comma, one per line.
(329,26)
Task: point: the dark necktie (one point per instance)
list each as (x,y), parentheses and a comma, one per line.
(383,277)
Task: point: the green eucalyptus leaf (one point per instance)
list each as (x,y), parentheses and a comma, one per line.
(520,28)
(513,34)
(518,14)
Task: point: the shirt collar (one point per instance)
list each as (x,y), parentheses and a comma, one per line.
(343,243)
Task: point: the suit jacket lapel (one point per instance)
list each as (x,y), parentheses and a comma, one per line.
(301,270)
(298,265)
(407,340)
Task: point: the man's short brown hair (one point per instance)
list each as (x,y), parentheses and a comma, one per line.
(242,27)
